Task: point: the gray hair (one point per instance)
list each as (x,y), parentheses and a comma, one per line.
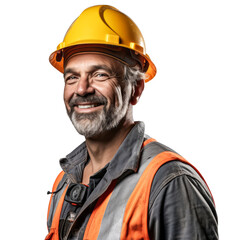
(133,75)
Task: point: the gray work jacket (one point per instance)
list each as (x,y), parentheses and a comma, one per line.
(180,204)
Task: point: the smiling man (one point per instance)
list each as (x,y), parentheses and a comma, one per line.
(120,183)
(96,96)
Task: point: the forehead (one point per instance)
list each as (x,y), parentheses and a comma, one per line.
(87,60)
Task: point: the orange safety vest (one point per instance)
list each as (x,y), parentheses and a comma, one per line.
(122,211)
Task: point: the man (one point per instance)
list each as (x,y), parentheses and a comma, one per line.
(119,183)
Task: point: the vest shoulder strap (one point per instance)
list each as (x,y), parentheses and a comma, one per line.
(135,221)
(57,181)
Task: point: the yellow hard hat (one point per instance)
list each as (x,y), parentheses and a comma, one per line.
(104,29)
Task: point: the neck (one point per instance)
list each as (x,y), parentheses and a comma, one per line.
(102,148)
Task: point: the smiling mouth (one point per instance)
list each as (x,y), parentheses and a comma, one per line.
(88,105)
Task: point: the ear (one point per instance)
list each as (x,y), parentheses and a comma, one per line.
(137,92)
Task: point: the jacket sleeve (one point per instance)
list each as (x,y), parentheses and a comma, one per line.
(181,209)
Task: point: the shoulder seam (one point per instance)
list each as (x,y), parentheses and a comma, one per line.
(164,184)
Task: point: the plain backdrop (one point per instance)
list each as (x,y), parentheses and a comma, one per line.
(192,105)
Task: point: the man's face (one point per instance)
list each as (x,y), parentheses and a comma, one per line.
(95,95)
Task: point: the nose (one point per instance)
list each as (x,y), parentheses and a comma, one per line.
(84,86)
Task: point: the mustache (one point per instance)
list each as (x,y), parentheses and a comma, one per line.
(75,100)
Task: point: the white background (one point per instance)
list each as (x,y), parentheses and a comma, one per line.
(192,105)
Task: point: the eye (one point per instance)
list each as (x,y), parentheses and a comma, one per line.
(71,79)
(100,76)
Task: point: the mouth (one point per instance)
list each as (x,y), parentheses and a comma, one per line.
(88,107)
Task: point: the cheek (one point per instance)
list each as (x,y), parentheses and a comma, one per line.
(112,91)
(118,96)
(67,95)
(122,94)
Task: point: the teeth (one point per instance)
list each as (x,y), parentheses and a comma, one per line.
(85,106)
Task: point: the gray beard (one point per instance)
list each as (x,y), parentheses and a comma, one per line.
(94,124)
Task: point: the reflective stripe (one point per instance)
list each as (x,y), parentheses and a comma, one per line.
(96,217)
(61,180)
(55,185)
(113,218)
(135,222)
(53,234)
(55,206)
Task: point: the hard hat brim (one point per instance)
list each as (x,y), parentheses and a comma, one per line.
(125,55)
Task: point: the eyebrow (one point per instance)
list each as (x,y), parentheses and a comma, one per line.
(69,70)
(92,68)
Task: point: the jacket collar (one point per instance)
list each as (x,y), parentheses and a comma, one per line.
(126,158)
